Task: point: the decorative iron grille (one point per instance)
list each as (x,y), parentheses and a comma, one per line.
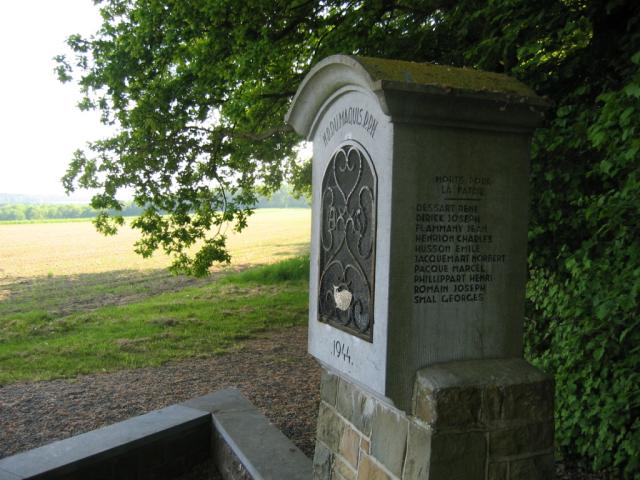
(347,243)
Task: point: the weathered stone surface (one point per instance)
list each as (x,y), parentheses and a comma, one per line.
(492,393)
(322,462)
(345,398)
(343,469)
(458,456)
(503,372)
(389,438)
(532,438)
(330,427)
(416,464)
(448,407)
(355,405)
(492,400)
(328,387)
(4,475)
(424,405)
(350,446)
(365,445)
(458,407)
(369,470)
(498,471)
(535,468)
(528,401)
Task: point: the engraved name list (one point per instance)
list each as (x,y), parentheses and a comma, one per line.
(455,259)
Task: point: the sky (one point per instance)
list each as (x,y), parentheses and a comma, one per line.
(40,125)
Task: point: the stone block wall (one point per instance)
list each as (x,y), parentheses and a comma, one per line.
(474,420)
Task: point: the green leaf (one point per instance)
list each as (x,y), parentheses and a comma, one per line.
(626,114)
(598,353)
(632,90)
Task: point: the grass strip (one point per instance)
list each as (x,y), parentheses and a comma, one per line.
(196,321)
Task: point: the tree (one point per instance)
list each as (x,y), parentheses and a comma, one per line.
(199,89)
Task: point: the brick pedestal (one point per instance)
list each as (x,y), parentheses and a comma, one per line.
(472,420)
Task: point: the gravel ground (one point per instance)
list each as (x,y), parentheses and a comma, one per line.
(274,372)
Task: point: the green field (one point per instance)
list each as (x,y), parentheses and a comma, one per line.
(72,301)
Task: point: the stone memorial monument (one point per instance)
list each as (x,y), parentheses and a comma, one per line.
(418,270)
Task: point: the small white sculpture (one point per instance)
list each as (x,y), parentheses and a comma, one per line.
(342,297)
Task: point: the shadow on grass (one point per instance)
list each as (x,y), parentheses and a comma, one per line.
(296,249)
(148,318)
(58,296)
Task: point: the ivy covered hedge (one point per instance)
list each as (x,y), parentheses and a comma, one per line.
(584,288)
(583,320)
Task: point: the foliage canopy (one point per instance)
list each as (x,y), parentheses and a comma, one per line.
(198,90)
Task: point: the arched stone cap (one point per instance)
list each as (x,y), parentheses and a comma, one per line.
(409,91)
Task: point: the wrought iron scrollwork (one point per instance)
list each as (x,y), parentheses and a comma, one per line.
(347,243)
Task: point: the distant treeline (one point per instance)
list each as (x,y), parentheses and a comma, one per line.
(27,211)
(44,199)
(282,199)
(48,212)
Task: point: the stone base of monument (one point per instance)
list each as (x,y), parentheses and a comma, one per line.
(470,420)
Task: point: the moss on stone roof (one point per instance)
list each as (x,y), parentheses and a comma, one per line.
(465,79)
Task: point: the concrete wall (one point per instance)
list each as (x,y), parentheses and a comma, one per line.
(164,444)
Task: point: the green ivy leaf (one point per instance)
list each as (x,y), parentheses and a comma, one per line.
(632,90)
